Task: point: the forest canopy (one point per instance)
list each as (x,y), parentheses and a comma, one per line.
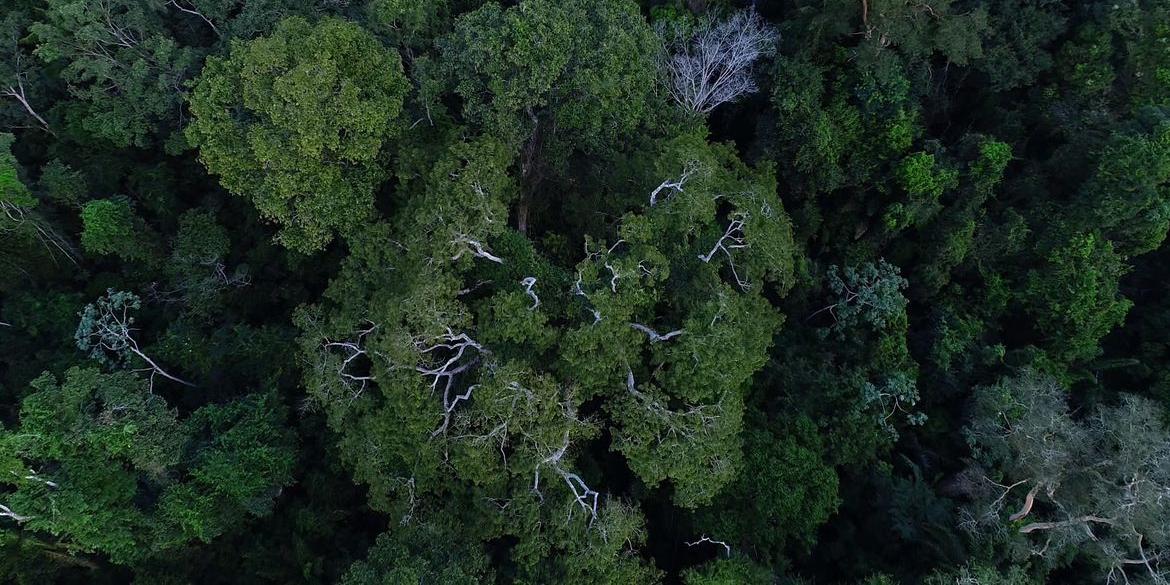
(696,292)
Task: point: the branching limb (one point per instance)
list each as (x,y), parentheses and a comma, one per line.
(192,11)
(586,497)
(654,336)
(732,239)
(676,185)
(705,538)
(352,351)
(475,248)
(713,66)
(6,512)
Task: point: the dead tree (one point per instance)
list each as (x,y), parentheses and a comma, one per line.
(713,65)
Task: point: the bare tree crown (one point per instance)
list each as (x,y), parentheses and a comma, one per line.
(713,64)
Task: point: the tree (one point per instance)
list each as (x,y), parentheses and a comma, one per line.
(322,103)
(106,333)
(197,271)
(712,64)
(423,553)
(21,223)
(1090,486)
(731,571)
(90,449)
(583,67)
(868,295)
(1075,298)
(125,73)
(787,488)
(19,75)
(110,226)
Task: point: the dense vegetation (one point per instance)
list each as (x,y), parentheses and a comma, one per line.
(585,291)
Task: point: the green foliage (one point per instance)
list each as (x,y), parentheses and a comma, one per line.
(586,67)
(88,450)
(111,227)
(732,571)
(869,295)
(13,192)
(124,71)
(321,103)
(789,488)
(420,554)
(539,325)
(1075,298)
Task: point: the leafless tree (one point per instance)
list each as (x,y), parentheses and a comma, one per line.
(1100,483)
(713,64)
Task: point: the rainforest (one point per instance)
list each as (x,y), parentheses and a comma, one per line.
(675,292)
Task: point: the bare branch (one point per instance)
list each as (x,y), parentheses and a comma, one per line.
(713,66)
(528,284)
(463,353)
(194,12)
(705,538)
(586,497)
(6,512)
(352,350)
(475,247)
(732,239)
(654,336)
(676,185)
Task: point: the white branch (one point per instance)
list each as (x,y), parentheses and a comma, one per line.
(448,369)
(677,184)
(475,248)
(528,284)
(192,11)
(654,336)
(732,239)
(352,350)
(725,546)
(6,512)
(586,497)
